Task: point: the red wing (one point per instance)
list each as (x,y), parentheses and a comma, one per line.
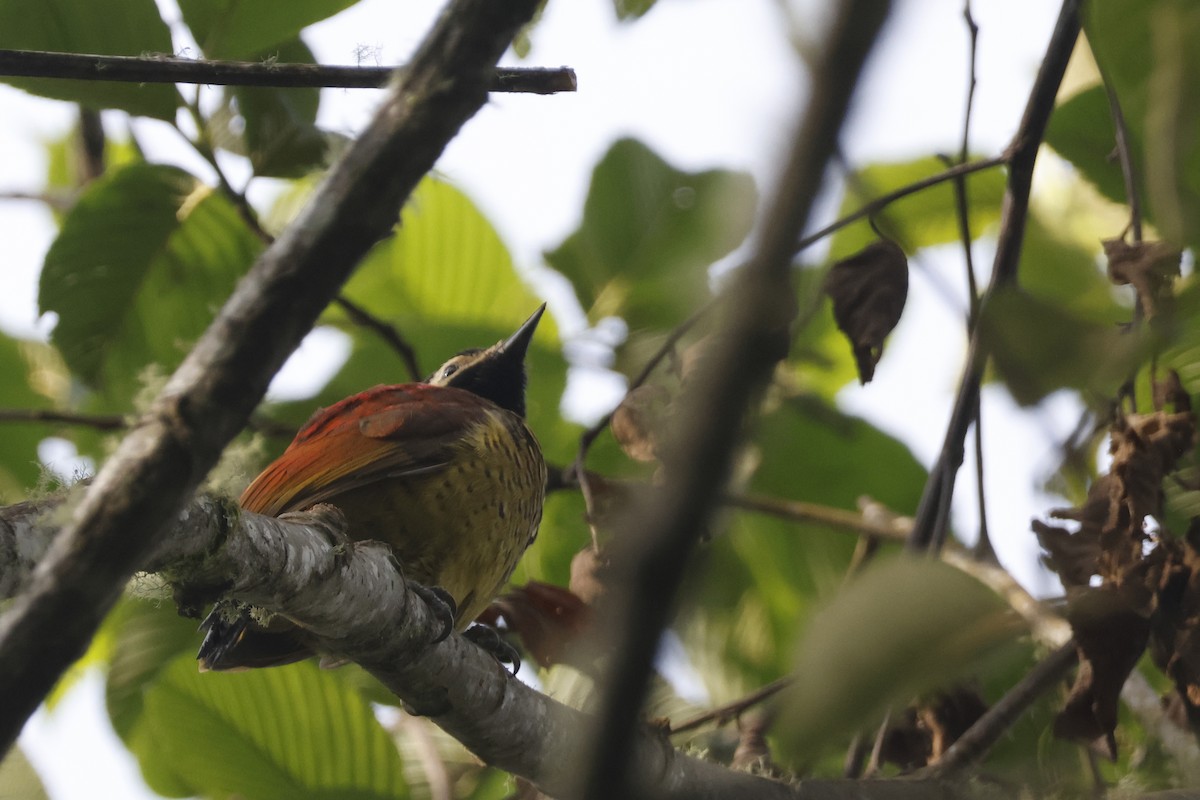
(385,433)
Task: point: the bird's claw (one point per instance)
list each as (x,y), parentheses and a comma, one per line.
(488,638)
(442,604)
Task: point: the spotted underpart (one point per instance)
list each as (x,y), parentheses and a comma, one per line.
(446,473)
(462,527)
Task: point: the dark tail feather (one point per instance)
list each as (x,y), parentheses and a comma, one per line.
(234,641)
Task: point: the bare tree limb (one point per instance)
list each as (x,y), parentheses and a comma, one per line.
(988,729)
(162,460)
(161,68)
(353,603)
(758,308)
(883,201)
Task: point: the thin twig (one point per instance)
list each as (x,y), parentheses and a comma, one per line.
(99,422)
(722,714)
(983,546)
(799,511)
(161,68)
(1125,157)
(904,191)
(57,200)
(204,146)
(876,759)
(117,422)
(929,531)
(360,316)
(998,719)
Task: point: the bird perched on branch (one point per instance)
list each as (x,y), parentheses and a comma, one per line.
(446,472)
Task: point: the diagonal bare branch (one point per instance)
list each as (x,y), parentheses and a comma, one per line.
(121,516)
(757,310)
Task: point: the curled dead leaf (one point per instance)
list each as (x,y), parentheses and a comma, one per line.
(1150,267)
(868,290)
(924,731)
(1112,627)
(1144,449)
(547,619)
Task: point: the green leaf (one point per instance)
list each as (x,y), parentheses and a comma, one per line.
(143,638)
(139,269)
(765,571)
(264,734)
(1038,347)
(902,627)
(18,778)
(111,28)
(27,370)
(649,234)
(1146,50)
(240,29)
(281,136)
(445,265)
(1081,131)
(631,9)
(1059,271)
(923,219)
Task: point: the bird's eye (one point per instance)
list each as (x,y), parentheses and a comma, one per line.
(449,370)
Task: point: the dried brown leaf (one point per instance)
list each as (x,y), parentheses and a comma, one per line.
(547,618)
(1111,627)
(869,290)
(925,730)
(1150,267)
(1076,556)
(1144,449)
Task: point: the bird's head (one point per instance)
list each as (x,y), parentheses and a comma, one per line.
(496,373)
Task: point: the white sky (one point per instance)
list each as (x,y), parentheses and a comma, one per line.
(706,83)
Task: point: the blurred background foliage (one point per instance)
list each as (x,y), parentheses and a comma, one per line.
(147,253)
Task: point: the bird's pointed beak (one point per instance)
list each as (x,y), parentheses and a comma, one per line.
(516,345)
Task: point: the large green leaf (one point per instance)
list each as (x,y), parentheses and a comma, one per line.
(143,638)
(1038,348)
(27,368)
(631,9)
(1081,131)
(111,28)
(1058,270)
(277,733)
(901,628)
(240,29)
(139,269)
(18,779)
(765,571)
(649,234)
(445,281)
(923,219)
(445,264)
(281,136)
(1147,51)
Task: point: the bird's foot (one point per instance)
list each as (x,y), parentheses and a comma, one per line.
(488,638)
(441,603)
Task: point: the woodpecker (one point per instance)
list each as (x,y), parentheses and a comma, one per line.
(446,472)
